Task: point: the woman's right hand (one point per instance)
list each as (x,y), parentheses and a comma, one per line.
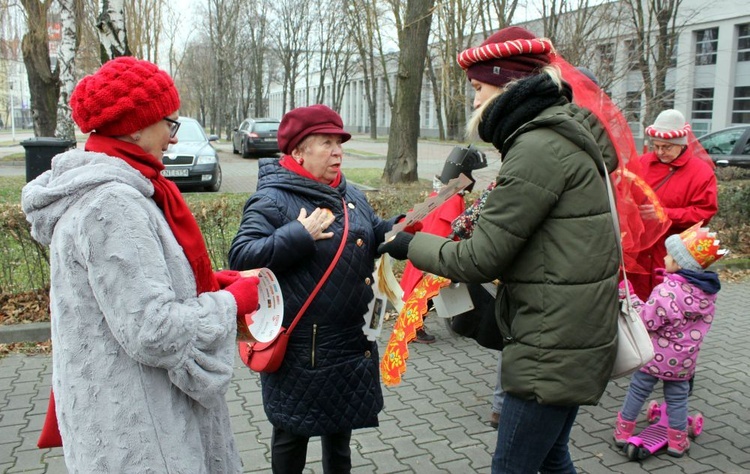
(317,222)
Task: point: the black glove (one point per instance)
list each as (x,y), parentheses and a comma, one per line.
(397,247)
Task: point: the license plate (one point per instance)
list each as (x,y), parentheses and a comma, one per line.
(183,173)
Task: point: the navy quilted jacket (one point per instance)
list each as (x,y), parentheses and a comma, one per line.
(329,381)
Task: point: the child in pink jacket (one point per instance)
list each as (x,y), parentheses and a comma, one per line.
(678,314)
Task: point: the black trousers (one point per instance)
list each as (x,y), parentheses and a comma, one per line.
(289,452)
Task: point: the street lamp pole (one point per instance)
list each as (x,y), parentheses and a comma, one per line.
(12,115)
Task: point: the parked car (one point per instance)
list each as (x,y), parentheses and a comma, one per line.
(255,136)
(193,160)
(729,146)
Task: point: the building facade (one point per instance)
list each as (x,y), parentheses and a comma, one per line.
(708,79)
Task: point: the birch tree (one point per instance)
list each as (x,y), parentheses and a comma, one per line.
(70,18)
(113,37)
(413,34)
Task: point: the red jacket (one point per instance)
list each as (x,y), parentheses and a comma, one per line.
(688,196)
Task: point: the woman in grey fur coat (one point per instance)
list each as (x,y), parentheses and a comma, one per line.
(143,338)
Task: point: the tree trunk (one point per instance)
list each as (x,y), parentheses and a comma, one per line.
(401,161)
(44,84)
(436,98)
(69,13)
(113,36)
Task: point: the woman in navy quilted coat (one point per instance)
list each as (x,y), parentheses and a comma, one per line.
(329,382)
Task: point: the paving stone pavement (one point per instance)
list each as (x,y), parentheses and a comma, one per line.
(435,421)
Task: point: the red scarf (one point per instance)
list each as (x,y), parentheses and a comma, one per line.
(291,164)
(170,201)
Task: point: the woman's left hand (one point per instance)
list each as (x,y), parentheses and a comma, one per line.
(317,222)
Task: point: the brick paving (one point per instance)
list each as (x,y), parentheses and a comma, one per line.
(435,421)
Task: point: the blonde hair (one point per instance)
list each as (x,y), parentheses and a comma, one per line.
(472,126)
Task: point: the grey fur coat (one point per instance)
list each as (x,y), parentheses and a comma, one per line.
(141,365)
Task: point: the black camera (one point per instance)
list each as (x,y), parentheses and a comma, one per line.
(463,160)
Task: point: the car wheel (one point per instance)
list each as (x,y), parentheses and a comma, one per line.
(217,184)
(234,150)
(245,153)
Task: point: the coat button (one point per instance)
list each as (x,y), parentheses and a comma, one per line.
(367,354)
(351,205)
(360,242)
(367,281)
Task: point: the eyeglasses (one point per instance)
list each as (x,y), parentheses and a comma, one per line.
(174,125)
(664,148)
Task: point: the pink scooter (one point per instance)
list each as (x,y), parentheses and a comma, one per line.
(654,437)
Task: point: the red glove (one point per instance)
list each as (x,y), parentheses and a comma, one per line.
(413,228)
(226,277)
(245,292)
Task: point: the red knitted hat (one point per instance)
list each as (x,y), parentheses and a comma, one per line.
(125,95)
(303,121)
(511,53)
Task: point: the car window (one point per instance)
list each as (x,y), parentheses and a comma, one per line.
(191,132)
(721,143)
(266,126)
(244,126)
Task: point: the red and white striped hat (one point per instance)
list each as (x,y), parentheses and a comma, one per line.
(670,126)
(511,53)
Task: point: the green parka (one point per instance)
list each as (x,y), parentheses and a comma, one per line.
(546,233)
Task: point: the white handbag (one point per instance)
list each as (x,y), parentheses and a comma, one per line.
(634,346)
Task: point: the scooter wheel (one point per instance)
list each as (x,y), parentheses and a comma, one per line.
(695,425)
(635,453)
(654,411)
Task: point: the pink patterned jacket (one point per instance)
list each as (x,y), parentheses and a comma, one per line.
(678,314)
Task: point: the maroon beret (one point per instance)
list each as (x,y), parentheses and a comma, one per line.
(125,95)
(511,53)
(303,121)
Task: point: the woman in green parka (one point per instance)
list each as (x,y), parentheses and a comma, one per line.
(546,232)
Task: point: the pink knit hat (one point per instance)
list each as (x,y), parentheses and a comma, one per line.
(125,95)
(511,53)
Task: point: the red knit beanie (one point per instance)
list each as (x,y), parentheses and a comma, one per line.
(303,121)
(511,53)
(125,95)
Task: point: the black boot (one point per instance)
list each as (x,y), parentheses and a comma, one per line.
(423,337)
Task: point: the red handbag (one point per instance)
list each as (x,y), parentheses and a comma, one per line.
(266,357)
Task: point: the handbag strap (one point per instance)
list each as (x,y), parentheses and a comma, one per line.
(616,227)
(326,274)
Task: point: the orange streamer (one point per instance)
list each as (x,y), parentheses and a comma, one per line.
(393,363)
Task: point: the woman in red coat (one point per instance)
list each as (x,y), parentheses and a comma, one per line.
(684,183)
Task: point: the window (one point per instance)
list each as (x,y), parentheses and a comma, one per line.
(706,45)
(632,54)
(703,104)
(743,42)
(633,106)
(606,59)
(673,57)
(722,143)
(741,105)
